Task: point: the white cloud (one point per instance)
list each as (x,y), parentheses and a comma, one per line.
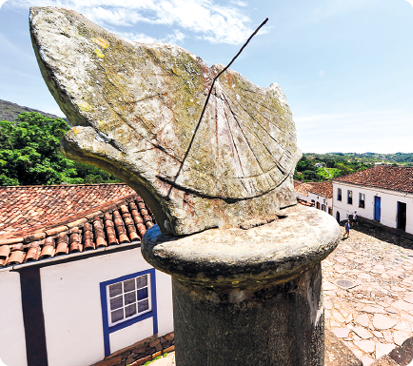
(411,3)
(176,37)
(2,2)
(205,18)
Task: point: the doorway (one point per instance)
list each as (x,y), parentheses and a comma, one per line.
(377,208)
(338,216)
(401,216)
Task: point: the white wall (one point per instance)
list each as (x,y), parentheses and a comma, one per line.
(73,310)
(320,199)
(139,330)
(164,299)
(12,336)
(389,201)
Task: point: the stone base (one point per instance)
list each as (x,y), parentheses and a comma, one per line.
(248,297)
(279,326)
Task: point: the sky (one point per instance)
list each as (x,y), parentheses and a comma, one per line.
(345,66)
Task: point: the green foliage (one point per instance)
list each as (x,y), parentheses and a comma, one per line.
(30,155)
(334,165)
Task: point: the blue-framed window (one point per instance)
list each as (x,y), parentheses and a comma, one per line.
(127,300)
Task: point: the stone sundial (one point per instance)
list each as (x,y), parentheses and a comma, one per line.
(136,108)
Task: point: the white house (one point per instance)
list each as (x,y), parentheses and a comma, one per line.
(317,194)
(381,193)
(75,287)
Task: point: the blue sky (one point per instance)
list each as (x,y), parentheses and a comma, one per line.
(346,66)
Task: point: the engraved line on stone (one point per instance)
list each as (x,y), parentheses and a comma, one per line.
(233,141)
(256,120)
(209,94)
(276,162)
(246,139)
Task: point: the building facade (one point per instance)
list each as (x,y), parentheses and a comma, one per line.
(75,287)
(317,194)
(382,193)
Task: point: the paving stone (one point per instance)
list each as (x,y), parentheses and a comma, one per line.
(341,259)
(377,334)
(360,260)
(337,315)
(383,322)
(340,332)
(329,286)
(388,336)
(397,288)
(407,316)
(409,298)
(373,310)
(328,305)
(383,349)
(367,346)
(391,310)
(362,332)
(403,326)
(399,337)
(403,305)
(367,361)
(363,320)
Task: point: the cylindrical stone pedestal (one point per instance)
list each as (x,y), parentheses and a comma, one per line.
(248,297)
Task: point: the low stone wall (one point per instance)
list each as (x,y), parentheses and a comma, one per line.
(140,352)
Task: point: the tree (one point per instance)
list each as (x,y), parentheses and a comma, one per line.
(30,154)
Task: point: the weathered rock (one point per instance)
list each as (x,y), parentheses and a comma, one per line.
(140,104)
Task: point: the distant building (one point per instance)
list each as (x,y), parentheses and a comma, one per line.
(382,193)
(319,165)
(75,287)
(317,194)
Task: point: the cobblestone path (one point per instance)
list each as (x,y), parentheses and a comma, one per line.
(372,310)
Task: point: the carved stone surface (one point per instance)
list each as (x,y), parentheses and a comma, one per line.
(136,109)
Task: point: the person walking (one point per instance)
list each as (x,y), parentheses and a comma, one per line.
(347,228)
(355,219)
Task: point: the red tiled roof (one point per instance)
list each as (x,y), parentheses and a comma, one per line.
(324,189)
(44,221)
(305,203)
(387,177)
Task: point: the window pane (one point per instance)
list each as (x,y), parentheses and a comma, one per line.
(142,293)
(129,285)
(143,306)
(115,289)
(130,298)
(116,303)
(130,310)
(142,281)
(117,315)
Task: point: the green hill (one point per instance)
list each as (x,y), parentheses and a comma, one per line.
(10,111)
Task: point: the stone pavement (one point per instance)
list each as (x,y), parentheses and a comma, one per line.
(368,292)
(374,313)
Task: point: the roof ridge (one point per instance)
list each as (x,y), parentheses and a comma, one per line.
(63,185)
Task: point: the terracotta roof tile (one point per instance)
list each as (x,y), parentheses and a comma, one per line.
(113,219)
(382,176)
(36,205)
(324,189)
